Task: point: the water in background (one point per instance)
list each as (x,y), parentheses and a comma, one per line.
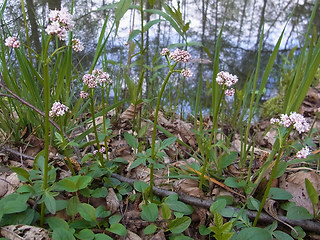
(243,22)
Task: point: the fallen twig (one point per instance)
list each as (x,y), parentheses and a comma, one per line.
(206,203)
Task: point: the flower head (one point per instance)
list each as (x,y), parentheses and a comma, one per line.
(101,76)
(12,42)
(58,109)
(186,72)
(61,22)
(229,92)
(90,80)
(84,94)
(180,56)
(165,51)
(296,119)
(77,46)
(226,78)
(303,153)
(102,150)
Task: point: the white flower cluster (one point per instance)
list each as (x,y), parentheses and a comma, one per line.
(296,119)
(303,153)
(179,55)
(227,79)
(12,42)
(97,76)
(77,46)
(58,109)
(61,22)
(186,72)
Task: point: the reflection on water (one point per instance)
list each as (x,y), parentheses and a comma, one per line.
(243,21)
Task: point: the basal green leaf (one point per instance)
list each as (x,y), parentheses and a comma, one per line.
(22,173)
(281,235)
(298,213)
(131,140)
(254,233)
(72,206)
(100,236)
(140,186)
(312,192)
(50,203)
(85,234)
(87,212)
(117,228)
(166,212)
(218,205)
(55,222)
(150,229)
(149,212)
(114,219)
(66,184)
(279,194)
(179,225)
(100,192)
(83,181)
(62,234)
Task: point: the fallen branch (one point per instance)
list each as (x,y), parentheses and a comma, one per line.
(305,224)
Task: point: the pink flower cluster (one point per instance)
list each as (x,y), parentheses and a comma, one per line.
(303,153)
(296,119)
(186,72)
(61,22)
(58,109)
(97,76)
(84,94)
(178,55)
(165,51)
(12,42)
(227,79)
(77,46)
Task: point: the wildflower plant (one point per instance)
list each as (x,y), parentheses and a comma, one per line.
(100,79)
(284,125)
(173,59)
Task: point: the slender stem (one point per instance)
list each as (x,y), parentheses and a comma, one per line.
(266,193)
(212,137)
(104,120)
(64,143)
(46,86)
(95,127)
(153,157)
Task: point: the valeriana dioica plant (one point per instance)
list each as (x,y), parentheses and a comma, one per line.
(176,56)
(98,78)
(60,23)
(285,124)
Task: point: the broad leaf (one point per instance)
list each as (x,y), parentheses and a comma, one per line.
(149,212)
(87,212)
(179,225)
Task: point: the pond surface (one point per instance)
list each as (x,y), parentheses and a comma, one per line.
(243,23)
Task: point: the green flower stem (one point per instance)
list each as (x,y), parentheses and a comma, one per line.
(104,120)
(212,137)
(282,141)
(153,157)
(46,86)
(64,144)
(95,127)
(266,193)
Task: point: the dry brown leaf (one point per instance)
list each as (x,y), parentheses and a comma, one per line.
(159,236)
(132,236)
(25,232)
(270,207)
(9,183)
(188,186)
(295,184)
(112,201)
(130,112)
